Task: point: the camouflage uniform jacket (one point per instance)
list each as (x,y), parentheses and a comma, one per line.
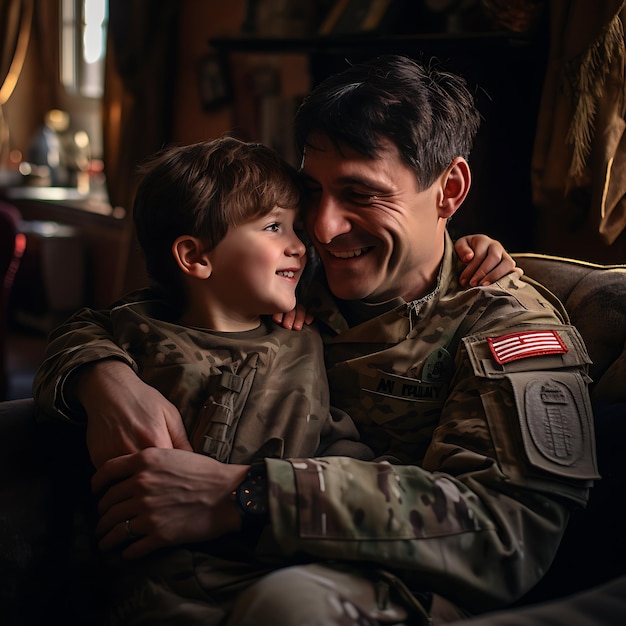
(479,461)
(476,404)
(243,396)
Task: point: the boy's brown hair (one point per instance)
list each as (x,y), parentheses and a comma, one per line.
(203,189)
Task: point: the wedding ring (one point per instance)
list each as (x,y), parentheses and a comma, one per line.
(129,530)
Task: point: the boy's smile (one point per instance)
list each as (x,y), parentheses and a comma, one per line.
(256,267)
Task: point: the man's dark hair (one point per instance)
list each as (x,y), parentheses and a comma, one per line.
(429,114)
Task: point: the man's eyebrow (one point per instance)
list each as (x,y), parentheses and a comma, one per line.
(360,180)
(348,180)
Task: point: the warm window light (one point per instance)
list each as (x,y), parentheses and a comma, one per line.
(93,36)
(83,44)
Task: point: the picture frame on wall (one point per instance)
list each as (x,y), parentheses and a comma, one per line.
(213,81)
(351,17)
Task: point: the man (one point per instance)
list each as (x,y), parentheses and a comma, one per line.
(474,400)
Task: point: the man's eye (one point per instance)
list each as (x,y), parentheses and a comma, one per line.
(362,198)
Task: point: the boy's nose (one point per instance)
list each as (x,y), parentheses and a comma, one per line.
(296,247)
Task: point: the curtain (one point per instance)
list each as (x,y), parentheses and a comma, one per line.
(138,98)
(579,158)
(15,25)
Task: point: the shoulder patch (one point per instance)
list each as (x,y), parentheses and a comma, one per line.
(525,344)
(553,421)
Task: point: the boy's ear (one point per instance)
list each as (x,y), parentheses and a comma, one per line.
(455,183)
(191,256)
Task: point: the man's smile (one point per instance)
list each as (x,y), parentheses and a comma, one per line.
(348,254)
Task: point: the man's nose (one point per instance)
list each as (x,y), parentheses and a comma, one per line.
(329,220)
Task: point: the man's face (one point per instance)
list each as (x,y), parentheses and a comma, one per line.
(377,234)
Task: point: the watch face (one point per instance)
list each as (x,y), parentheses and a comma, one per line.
(252,495)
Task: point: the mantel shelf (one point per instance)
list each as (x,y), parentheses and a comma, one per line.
(334,44)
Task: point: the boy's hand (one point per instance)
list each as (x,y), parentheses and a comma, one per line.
(294,319)
(486,259)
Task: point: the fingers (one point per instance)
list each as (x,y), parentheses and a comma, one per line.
(498,271)
(488,266)
(112,471)
(289,319)
(120,523)
(277,318)
(464,249)
(118,526)
(131,535)
(294,319)
(177,432)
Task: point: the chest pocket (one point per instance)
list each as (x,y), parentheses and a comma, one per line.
(404,408)
(217,420)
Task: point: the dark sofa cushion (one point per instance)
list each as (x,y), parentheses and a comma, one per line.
(46,503)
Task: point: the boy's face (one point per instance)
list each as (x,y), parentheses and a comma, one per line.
(378,236)
(257,265)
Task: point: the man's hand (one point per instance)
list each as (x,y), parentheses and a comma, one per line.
(487,260)
(124,414)
(294,319)
(169,497)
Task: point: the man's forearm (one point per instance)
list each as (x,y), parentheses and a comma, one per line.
(431,527)
(107,375)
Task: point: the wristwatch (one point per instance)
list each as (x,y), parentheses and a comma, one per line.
(252,498)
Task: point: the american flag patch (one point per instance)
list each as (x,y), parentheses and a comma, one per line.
(521,345)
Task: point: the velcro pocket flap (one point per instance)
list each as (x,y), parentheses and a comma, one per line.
(485,360)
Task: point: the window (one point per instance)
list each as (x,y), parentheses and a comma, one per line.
(82,47)
(83,44)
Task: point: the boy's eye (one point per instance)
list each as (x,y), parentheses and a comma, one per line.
(273,227)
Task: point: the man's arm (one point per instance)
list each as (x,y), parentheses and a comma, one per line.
(479,516)
(124,414)
(87,377)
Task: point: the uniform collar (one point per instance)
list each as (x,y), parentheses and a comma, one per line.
(341,315)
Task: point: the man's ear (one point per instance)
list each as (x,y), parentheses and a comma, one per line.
(191,256)
(455,183)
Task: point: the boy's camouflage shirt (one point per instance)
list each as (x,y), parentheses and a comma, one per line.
(243,396)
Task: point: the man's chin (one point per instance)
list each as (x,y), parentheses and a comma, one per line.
(344,291)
